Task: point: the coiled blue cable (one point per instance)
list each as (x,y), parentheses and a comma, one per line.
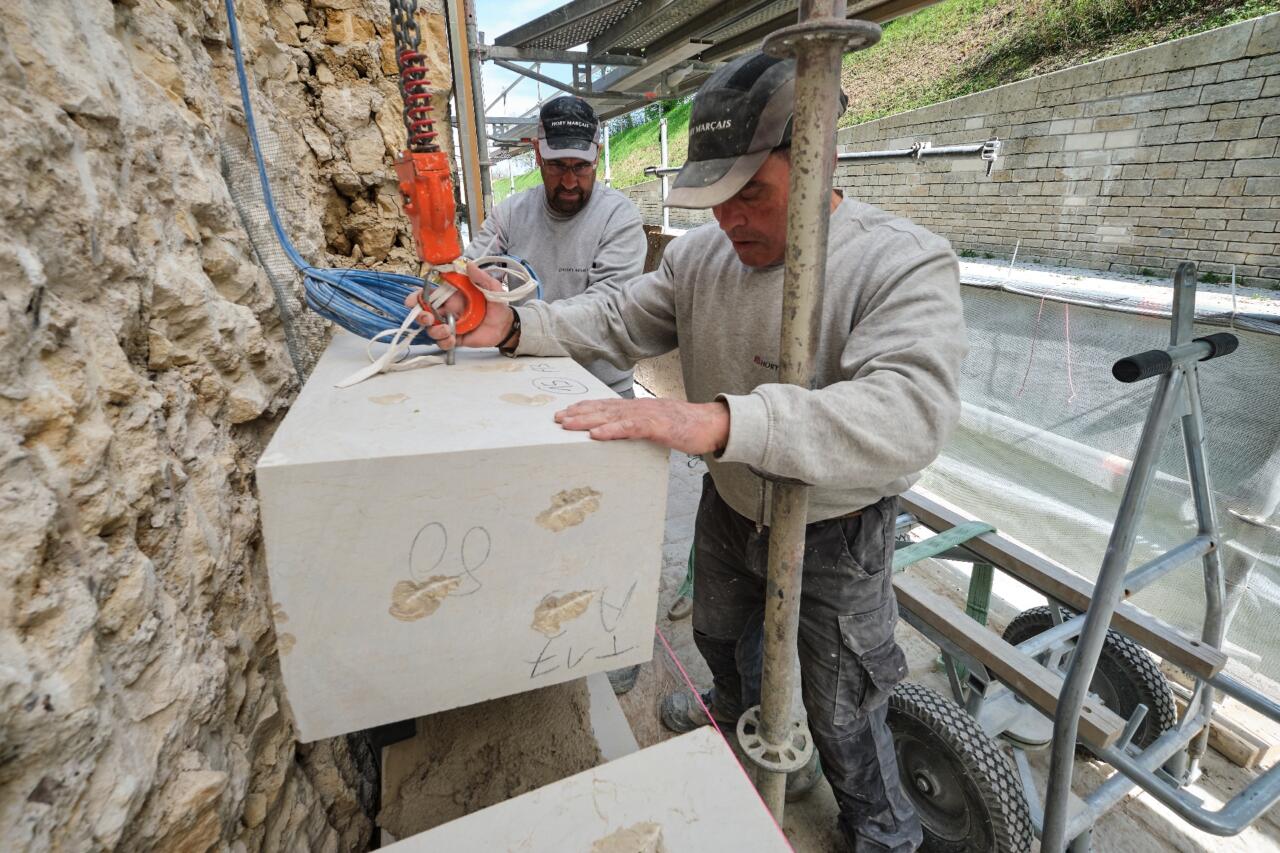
(361,301)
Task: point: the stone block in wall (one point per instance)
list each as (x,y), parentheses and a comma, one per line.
(1265,37)
(1178,152)
(1187,115)
(1108,107)
(1168,99)
(1211,151)
(1110,123)
(1198,132)
(1262,186)
(1240,128)
(1204,74)
(1242,149)
(1121,139)
(1236,90)
(1259,168)
(1217,169)
(503,548)
(1266,106)
(1263,66)
(1223,110)
(1237,70)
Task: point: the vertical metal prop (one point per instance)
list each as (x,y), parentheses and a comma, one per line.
(818,41)
(465,103)
(662,134)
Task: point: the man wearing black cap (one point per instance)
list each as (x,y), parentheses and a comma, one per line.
(885,396)
(574,234)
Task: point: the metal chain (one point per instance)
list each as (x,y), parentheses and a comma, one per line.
(415,88)
(404,24)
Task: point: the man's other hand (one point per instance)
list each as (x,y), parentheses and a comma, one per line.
(692,428)
(498,316)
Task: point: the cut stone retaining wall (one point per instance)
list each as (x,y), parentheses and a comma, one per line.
(1130,164)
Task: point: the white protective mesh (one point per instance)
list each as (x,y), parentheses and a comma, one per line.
(1046,433)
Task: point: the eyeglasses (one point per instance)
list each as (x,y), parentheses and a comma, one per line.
(556,169)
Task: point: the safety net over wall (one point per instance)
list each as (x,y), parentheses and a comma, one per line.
(1046,436)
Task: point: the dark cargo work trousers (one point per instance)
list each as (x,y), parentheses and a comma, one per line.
(849,661)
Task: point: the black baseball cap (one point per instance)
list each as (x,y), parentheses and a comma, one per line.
(739,115)
(568,127)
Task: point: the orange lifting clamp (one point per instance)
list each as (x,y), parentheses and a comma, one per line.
(428,200)
(423,170)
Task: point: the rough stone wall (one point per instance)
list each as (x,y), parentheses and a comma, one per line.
(1129,164)
(142,368)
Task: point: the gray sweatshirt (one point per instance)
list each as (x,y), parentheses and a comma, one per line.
(604,243)
(890,341)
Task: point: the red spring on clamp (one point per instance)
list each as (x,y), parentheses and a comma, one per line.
(415,89)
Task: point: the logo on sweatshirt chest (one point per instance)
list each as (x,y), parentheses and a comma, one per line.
(768,365)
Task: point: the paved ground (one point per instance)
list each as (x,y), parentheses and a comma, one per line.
(1139,826)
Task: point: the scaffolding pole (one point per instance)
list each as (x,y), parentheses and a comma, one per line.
(662,133)
(608,172)
(817,42)
(471,134)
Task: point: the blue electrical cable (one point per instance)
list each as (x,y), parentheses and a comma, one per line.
(361,301)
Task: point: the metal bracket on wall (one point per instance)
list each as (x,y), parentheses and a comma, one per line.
(988,151)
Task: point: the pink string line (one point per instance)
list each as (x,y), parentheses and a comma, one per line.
(1066,325)
(1035,335)
(688,682)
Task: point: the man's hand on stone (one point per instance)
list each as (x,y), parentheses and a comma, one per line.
(692,428)
(498,316)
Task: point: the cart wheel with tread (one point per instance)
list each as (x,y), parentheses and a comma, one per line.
(1126,675)
(965,790)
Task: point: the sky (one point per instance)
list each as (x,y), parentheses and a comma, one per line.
(495,17)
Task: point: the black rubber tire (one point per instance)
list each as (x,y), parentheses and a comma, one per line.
(1126,675)
(964,789)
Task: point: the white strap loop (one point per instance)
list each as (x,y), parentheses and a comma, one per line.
(398,343)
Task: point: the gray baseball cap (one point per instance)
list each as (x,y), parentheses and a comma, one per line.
(739,115)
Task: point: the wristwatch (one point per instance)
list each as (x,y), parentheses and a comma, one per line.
(514,334)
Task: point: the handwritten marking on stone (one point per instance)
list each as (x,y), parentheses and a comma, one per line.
(285,643)
(638,838)
(569,508)
(553,611)
(389,399)
(560,385)
(411,601)
(526,400)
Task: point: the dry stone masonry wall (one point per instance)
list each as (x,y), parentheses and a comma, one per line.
(142,369)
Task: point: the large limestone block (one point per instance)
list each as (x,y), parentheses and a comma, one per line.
(685,794)
(434,539)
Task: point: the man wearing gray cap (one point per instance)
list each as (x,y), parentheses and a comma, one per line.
(574,234)
(890,340)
